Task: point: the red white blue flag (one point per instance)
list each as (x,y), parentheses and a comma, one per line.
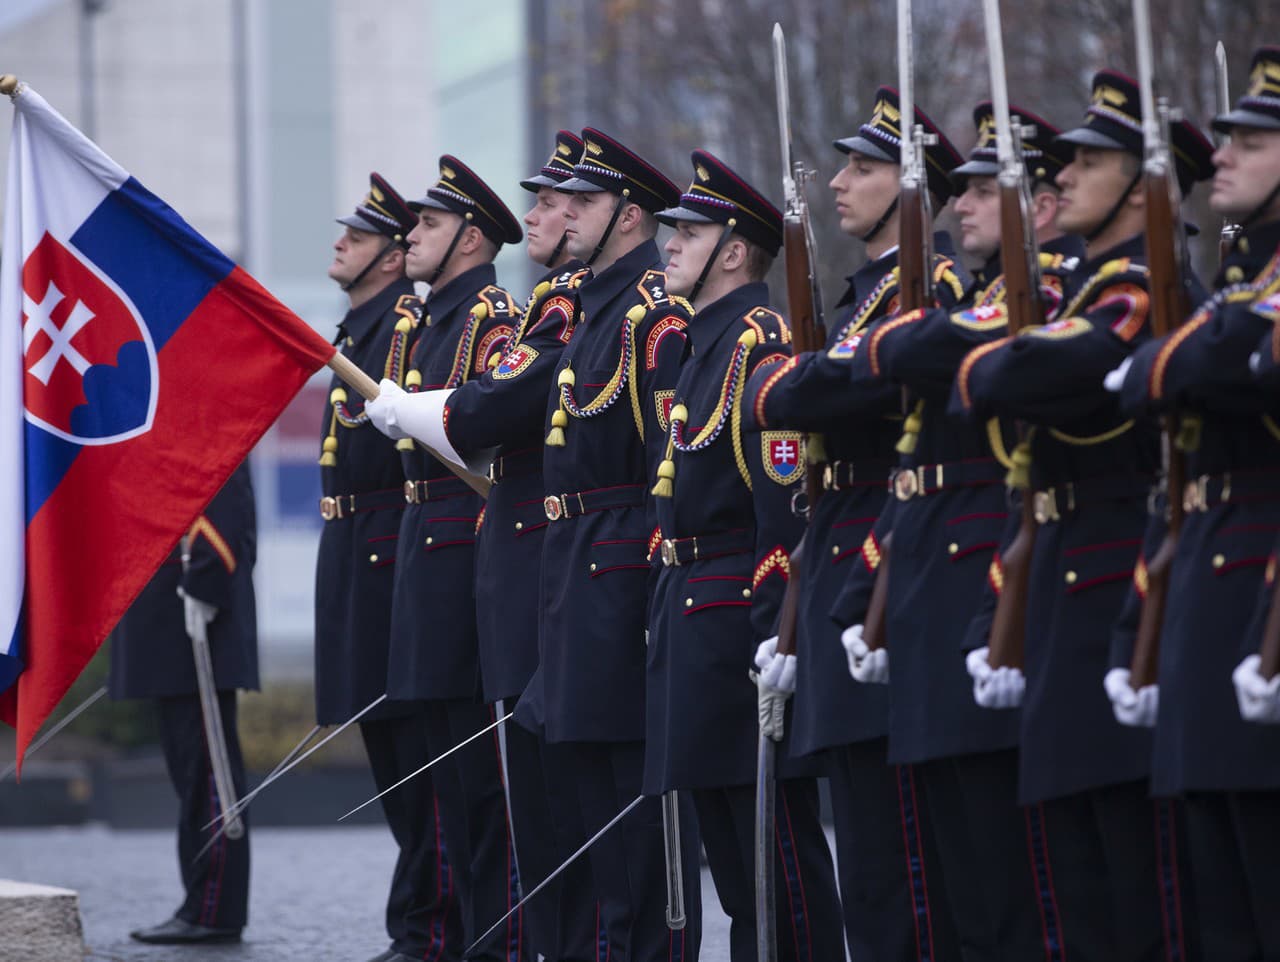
(138,366)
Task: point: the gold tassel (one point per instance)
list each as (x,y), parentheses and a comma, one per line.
(666,485)
(1019,474)
(413,380)
(329,457)
(911,430)
(1189,428)
(559,419)
(337,396)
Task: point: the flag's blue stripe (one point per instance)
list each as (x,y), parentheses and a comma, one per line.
(11,664)
(155,256)
(47,459)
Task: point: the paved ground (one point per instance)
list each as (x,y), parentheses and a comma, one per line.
(317,893)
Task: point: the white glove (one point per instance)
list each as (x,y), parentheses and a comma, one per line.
(382,409)
(197,614)
(775,682)
(994,687)
(1137,709)
(1255,362)
(866,666)
(1259,699)
(1114,381)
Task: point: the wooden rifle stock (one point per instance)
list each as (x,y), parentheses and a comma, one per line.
(1170,306)
(807,331)
(1007,641)
(1269,650)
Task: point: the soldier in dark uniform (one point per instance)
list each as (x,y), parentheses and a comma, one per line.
(1101,850)
(883,860)
(151,657)
(612,384)
(504,409)
(723,498)
(1224,766)
(434,660)
(363,485)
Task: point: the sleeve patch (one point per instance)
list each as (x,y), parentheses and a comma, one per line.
(1050,293)
(1133,300)
(515,362)
(557,310)
(1060,330)
(988,317)
(662,401)
(491,346)
(776,560)
(669,325)
(846,349)
(782,455)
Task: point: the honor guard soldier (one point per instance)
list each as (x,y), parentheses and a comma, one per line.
(613,382)
(882,858)
(723,497)
(204,589)
(1225,767)
(504,410)
(434,658)
(363,501)
(1102,851)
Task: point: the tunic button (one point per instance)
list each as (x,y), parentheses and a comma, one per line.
(835,549)
(373,557)
(746,592)
(1219,560)
(430,540)
(593,567)
(519,525)
(1072,577)
(688,602)
(1234,274)
(953,548)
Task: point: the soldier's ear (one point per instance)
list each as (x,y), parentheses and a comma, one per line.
(734,255)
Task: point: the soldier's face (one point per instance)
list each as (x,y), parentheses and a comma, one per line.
(352,253)
(1091,184)
(429,241)
(545,223)
(588,215)
(687,253)
(979,211)
(863,188)
(1248,170)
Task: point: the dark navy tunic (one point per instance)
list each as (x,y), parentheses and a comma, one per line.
(433,653)
(355,564)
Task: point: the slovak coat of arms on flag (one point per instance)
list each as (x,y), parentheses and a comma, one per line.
(782,454)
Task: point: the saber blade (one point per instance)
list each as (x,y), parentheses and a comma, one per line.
(63,722)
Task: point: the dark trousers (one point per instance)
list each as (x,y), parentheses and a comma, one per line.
(561,920)
(423,919)
(628,864)
(473,811)
(1235,862)
(982,839)
(891,888)
(807,907)
(216,883)
(1109,884)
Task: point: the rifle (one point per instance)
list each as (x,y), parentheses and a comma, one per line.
(1170,306)
(1227,236)
(915,281)
(1020,260)
(804,305)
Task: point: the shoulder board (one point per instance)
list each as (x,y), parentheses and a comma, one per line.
(498,302)
(410,307)
(770,327)
(570,280)
(653,292)
(1058,263)
(944,274)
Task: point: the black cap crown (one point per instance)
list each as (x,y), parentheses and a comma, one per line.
(1113,121)
(1260,105)
(1042,153)
(880,138)
(718,195)
(560,167)
(383,211)
(460,191)
(606,165)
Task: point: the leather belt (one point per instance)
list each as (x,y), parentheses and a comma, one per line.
(515,465)
(335,506)
(1209,490)
(926,479)
(681,551)
(420,492)
(1051,504)
(842,475)
(559,506)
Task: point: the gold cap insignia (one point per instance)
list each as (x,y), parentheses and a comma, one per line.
(1265,79)
(702,173)
(1109,96)
(376,194)
(987,130)
(447,173)
(594,149)
(563,150)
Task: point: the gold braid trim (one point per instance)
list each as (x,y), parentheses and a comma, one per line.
(1084,442)
(1272,428)
(776,560)
(204,527)
(995,438)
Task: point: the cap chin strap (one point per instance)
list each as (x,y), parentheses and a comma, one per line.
(1114,212)
(369,266)
(457,236)
(711,259)
(604,238)
(1261,209)
(555,254)
(870,235)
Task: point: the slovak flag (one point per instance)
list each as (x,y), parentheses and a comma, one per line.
(138,366)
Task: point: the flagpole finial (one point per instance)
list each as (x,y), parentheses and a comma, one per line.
(8,84)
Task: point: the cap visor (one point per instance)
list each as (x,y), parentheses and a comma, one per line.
(359,223)
(431,202)
(858,144)
(580,185)
(1084,137)
(1244,118)
(976,168)
(535,184)
(675,215)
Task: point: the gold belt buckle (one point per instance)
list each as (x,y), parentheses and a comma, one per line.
(1045,506)
(668,552)
(906,484)
(553,507)
(329,508)
(410,492)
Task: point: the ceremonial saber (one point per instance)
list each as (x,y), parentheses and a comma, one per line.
(301,758)
(63,722)
(676,917)
(550,878)
(439,758)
